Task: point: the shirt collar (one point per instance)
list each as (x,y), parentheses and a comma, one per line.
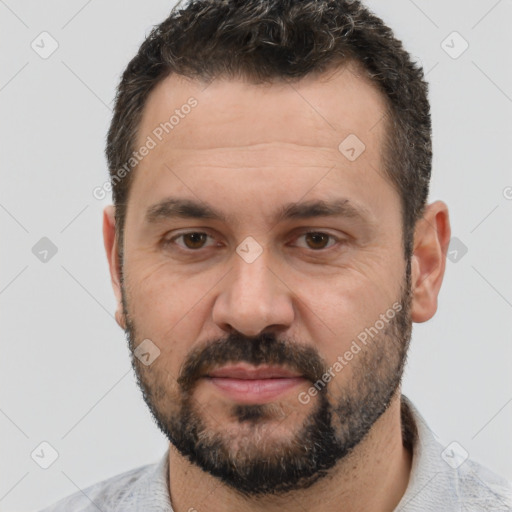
(432,483)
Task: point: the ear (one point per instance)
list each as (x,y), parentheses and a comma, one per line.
(111,248)
(431,241)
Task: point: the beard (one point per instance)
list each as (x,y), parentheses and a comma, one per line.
(247,458)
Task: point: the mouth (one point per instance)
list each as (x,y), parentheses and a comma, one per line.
(248,384)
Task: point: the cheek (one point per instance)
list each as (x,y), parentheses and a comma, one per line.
(162,310)
(337,311)
(157,293)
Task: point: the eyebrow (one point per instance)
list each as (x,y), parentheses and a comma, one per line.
(171,207)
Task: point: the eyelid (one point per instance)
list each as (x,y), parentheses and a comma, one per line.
(339,240)
(168,241)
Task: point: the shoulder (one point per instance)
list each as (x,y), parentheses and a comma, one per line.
(444,477)
(482,489)
(105,495)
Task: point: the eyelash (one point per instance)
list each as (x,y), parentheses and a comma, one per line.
(168,242)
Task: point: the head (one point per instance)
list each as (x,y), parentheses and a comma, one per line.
(272,214)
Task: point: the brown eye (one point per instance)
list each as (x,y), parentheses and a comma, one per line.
(318,240)
(194,240)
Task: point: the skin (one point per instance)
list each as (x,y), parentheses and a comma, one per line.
(245,150)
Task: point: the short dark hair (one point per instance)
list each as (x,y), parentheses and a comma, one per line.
(275,40)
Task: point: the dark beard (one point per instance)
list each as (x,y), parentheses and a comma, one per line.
(335,425)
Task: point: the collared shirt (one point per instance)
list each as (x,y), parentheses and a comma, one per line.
(442,479)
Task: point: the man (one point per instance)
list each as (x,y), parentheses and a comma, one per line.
(270,245)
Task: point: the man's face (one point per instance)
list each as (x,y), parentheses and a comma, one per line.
(291,295)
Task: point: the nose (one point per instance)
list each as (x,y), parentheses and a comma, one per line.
(253,298)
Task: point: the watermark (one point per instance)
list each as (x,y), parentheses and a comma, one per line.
(352,147)
(44,250)
(44,455)
(151,143)
(457,249)
(249,249)
(454,45)
(454,455)
(44,45)
(304,397)
(146,352)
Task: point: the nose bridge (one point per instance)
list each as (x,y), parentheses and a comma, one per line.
(253,278)
(253,298)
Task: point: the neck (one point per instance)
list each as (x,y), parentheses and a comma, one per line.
(374,476)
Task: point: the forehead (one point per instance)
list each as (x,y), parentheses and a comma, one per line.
(257,134)
(233,112)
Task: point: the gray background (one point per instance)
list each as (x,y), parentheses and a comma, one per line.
(65,370)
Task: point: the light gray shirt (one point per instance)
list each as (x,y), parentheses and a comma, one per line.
(442,479)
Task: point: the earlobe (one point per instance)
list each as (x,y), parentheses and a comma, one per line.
(431,240)
(120,319)
(111,249)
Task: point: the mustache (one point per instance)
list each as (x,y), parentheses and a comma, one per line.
(263,349)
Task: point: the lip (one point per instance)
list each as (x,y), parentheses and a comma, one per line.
(248,372)
(253,385)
